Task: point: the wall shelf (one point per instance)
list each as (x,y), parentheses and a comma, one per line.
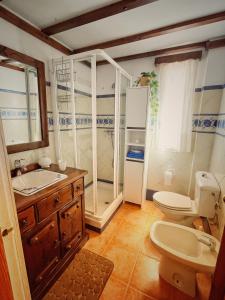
(134,144)
(134,159)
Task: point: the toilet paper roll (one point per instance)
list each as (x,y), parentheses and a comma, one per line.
(168,177)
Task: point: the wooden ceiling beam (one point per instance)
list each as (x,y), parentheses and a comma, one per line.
(95,15)
(9,66)
(27,27)
(216,44)
(178,57)
(165,51)
(213,18)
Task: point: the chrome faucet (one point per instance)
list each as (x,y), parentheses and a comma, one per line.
(20,167)
(208,242)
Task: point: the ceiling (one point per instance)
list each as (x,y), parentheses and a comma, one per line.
(43,13)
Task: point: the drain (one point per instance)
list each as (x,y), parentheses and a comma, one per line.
(107,202)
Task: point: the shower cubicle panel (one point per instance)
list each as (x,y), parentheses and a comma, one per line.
(124,83)
(84,126)
(89,129)
(105,146)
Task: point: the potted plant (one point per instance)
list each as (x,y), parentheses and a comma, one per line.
(144,79)
(150,79)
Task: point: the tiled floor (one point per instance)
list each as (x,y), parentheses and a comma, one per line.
(136,262)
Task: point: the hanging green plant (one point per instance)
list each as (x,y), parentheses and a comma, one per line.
(150,79)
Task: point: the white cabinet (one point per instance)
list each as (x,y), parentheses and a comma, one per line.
(137,144)
(136,107)
(133,181)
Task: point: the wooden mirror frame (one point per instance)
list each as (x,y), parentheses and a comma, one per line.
(39,65)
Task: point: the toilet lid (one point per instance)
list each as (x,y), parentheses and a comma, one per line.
(172,200)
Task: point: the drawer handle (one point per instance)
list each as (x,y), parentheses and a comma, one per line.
(66,215)
(56,243)
(78,205)
(68,247)
(34,240)
(39,278)
(57,200)
(52,226)
(24,222)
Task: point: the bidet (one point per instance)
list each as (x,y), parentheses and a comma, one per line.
(181,261)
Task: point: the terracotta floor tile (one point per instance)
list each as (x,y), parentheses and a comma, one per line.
(129,236)
(146,279)
(114,290)
(137,218)
(204,285)
(127,243)
(97,242)
(148,206)
(133,294)
(123,259)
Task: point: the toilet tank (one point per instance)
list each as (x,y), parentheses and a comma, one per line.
(206,193)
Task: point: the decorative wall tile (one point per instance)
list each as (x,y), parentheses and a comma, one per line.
(209,123)
(16,114)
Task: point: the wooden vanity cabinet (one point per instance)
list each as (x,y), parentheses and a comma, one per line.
(52,229)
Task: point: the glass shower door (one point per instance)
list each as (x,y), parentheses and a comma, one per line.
(124,83)
(105,148)
(84,125)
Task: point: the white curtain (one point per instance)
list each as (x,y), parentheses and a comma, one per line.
(176,91)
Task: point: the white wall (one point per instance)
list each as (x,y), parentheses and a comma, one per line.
(15,38)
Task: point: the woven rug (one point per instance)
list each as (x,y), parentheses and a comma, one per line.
(85,278)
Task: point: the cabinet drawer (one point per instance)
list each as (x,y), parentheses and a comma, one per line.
(42,252)
(78,187)
(72,244)
(48,205)
(26,219)
(71,222)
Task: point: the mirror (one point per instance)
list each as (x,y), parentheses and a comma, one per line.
(22,101)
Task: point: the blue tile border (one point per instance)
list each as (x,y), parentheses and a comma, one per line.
(107,96)
(16,92)
(210,87)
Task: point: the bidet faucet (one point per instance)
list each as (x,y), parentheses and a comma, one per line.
(209,242)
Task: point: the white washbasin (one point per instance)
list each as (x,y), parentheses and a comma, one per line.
(34,181)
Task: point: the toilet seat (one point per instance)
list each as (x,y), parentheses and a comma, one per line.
(173,201)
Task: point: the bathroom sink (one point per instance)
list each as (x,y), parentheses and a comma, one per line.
(35,181)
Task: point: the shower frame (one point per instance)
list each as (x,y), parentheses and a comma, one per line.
(92,219)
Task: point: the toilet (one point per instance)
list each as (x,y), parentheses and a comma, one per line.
(185,251)
(181,209)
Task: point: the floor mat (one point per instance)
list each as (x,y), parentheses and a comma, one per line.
(85,278)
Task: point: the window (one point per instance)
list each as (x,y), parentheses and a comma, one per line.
(176,90)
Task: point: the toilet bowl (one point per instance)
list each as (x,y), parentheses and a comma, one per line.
(181,209)
(185,251)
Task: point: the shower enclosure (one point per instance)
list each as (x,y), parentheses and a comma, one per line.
(89,127)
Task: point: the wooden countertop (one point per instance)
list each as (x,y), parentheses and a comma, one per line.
(73,174)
